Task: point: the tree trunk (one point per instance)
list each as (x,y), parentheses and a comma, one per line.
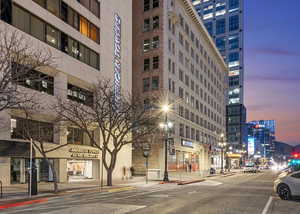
(111,168)
(55,185)
(109,176)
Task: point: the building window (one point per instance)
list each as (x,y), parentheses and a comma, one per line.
(75,136)
(233,5)
(52,36)
(220,26)
(180,75)
(37,28)
(221,43)
(146,64)
(80,95)
(155,3)
(180,92)
(193,133)
(21,19)
(33,79)
(155,42)
(53,6)
(155,62)
(84,26)
(155,22)
(146,5)
(209,28)
(233,59)
(147,45)
(147,25)
(91,5)
(155,83)
(234,23)
(146,84)
(187,132)
(33,129)
(233,41)
(181,130)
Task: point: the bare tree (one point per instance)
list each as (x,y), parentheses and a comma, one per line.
(120,120)
(41,134)
(18,58)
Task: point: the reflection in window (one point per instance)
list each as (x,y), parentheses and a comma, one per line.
(155,83)
(53,6)
(233,41)
(52,36)
(234,23)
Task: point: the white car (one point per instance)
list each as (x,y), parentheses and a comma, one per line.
(287,185)
(249,168)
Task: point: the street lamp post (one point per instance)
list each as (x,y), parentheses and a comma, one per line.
(222,145)
(167,125)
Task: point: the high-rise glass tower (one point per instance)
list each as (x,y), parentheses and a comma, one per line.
(224,21)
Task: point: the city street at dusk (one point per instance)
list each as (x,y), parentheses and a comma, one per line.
(240,193)
(149,107)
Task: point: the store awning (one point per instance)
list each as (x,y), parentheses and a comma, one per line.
(15,149)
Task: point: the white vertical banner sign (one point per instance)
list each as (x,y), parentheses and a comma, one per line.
(117,57)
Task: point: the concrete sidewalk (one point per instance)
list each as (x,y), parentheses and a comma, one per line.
(19,191)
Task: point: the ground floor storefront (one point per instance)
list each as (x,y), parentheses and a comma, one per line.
(186,156)
(73,163)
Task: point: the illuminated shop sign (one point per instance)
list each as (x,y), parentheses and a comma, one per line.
(251,147)
(76,152)
(117,57)
(186,143)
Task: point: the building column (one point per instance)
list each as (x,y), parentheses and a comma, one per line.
(5,170)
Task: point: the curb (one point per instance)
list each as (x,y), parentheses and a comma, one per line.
(190,182)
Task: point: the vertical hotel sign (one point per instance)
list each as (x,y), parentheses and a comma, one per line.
(117,57)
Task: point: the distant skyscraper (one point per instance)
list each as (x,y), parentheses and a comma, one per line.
(224,21)
(262,135)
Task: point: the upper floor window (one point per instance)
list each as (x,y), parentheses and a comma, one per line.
(155,3)
(80,95)
(33,79)
(146,5)
(209,27)
(70,16)
(146,84)
(91,5)
(25,129)
(155,42)
(221,43)
(155,22)
(233,41)
(234,23)
(220,26)
(233,5)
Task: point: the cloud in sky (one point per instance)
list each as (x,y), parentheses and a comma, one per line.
(274,51)
(283,78)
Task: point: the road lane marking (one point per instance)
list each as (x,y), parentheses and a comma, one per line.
(265,211)
(121,189)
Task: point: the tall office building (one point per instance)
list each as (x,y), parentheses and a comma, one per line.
(223,19)
(172,52)
(71,31)
(261,138)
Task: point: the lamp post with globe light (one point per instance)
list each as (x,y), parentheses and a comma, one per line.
(222,145)
(167,125)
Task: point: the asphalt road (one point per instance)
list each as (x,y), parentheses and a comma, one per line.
(238,194)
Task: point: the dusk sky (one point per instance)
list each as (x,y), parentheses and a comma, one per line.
(272,65)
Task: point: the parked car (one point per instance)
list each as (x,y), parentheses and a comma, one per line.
(287,185)
(250,168)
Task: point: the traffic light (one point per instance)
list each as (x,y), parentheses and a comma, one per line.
(296,155)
